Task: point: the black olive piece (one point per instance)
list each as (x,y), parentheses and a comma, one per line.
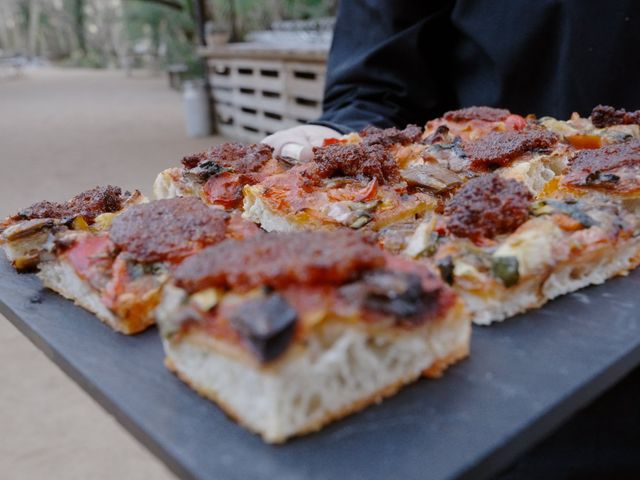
(598,178)
(396,293)
(446,266)
(266,324)
(205,170)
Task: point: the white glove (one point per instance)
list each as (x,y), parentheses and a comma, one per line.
(298,142)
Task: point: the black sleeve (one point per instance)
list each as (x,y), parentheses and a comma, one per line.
(388,63)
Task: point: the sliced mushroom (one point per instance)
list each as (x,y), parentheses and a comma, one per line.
(26,262)
(423,241)
(26,229)
(352,214)
(202,172)
(571,208)
(399,295)
(431,176)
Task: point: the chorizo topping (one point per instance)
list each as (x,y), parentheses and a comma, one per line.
(390,136)
(498,149)
(88,204)
(167,229)
(614,167)
(354,160)
(227,156)
(266,325)
(487,206)
(604,116)
(486,114)
(279,259)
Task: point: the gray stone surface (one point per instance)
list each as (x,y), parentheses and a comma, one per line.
(524,378)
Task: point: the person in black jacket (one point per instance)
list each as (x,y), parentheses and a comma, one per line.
(396,62)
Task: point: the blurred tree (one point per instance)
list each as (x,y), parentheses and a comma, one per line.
(243,16)
(98,32)
(32,12)
(165,28)
(76,8)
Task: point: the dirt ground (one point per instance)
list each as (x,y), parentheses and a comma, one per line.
(62,131)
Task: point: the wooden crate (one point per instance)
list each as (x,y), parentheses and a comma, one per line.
(220,73)
(305,80)
(257,92)
(226,121)
(222,95)
(262,74)
(303,109)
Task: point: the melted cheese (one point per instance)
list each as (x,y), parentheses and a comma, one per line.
(532,244)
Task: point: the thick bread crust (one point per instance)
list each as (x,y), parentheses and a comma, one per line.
(60,277)
(536,172)
(376,397)
(165,186)
(437,368)
(563,278)
(371,371)
(255,210)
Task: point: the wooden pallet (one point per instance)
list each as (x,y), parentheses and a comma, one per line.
(256,96)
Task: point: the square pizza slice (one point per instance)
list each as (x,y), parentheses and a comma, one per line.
(477,140)
(605,126)
(290,331)
(530,154)
(472,123)
(218,175)
(24,235)
(354,185)
(613,170)
(118,273)
(505,251)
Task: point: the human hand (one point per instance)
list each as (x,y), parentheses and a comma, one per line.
(298,142)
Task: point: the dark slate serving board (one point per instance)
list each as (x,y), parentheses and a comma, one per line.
(524,378)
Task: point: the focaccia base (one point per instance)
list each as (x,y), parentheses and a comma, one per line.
(340,370)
